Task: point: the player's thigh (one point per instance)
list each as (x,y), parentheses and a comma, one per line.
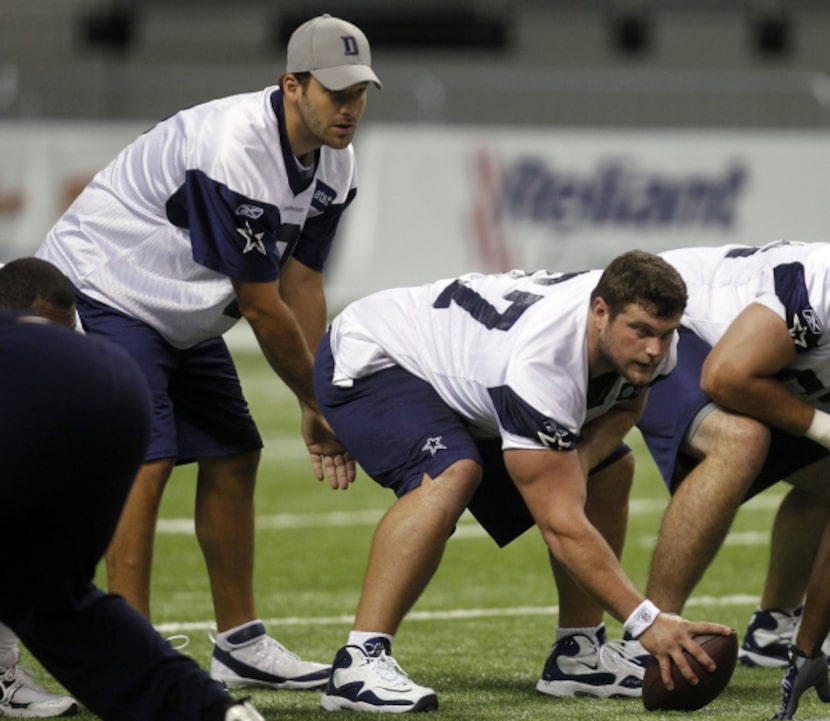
(673,405)
(401,432)
(156,358)
(395,426)
(211,414)
(453,488)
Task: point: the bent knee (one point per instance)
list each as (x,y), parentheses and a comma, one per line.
(741,439)
(459,480)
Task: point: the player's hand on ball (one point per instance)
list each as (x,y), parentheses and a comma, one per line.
(684,696)
(670,641)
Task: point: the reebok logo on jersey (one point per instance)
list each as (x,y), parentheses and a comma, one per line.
(805,329)
(812,321)
(555,437)
(249,211)
(253,241)
(433,445)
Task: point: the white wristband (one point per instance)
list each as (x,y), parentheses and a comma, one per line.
(819,430)
(641,619)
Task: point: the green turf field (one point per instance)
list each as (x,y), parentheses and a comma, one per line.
(480,634)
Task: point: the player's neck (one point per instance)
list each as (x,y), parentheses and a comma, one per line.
(303,144)
(597,363)
(306,161)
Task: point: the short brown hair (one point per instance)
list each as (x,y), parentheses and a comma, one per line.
(645,279)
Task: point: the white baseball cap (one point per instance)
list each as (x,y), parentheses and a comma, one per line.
(333,51)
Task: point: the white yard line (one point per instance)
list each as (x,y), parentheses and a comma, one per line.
(452,614)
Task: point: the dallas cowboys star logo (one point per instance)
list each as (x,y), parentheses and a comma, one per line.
(433,445)
(253,241)
(798,332)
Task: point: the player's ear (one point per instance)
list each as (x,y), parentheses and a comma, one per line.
(599,308)
(289,84)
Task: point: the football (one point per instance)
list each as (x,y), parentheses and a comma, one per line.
(724,652)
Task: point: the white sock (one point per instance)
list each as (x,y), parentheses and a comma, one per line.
(591,632)
(358,638)
(243,634)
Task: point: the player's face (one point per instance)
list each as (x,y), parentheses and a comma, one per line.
(330,117)
(634,342)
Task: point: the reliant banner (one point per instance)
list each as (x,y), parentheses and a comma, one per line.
(437,201)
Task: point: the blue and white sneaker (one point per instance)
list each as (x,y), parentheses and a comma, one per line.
(633,650)
(252,659)
(371,680)
(579,665)
(21,697)
(768,638)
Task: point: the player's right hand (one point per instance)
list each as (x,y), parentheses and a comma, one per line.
(329,457)
(670,635)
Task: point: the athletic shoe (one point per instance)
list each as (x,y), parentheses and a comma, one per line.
(768,637)
(21,697)
(802,673)
(252,659)
(579,665)
(633,650)
(372,680)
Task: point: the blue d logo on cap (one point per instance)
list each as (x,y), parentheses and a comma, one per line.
(350,44)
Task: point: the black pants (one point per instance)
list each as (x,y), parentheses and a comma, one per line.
(74,426)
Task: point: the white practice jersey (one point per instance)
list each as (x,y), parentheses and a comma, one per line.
(790,278)
(209,194)
(507,352)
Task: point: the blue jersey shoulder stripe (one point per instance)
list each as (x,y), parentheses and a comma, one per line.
(791,289)
(520,418)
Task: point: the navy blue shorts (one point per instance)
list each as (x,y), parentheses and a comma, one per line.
(673,404)
(398,429)
(199,410)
